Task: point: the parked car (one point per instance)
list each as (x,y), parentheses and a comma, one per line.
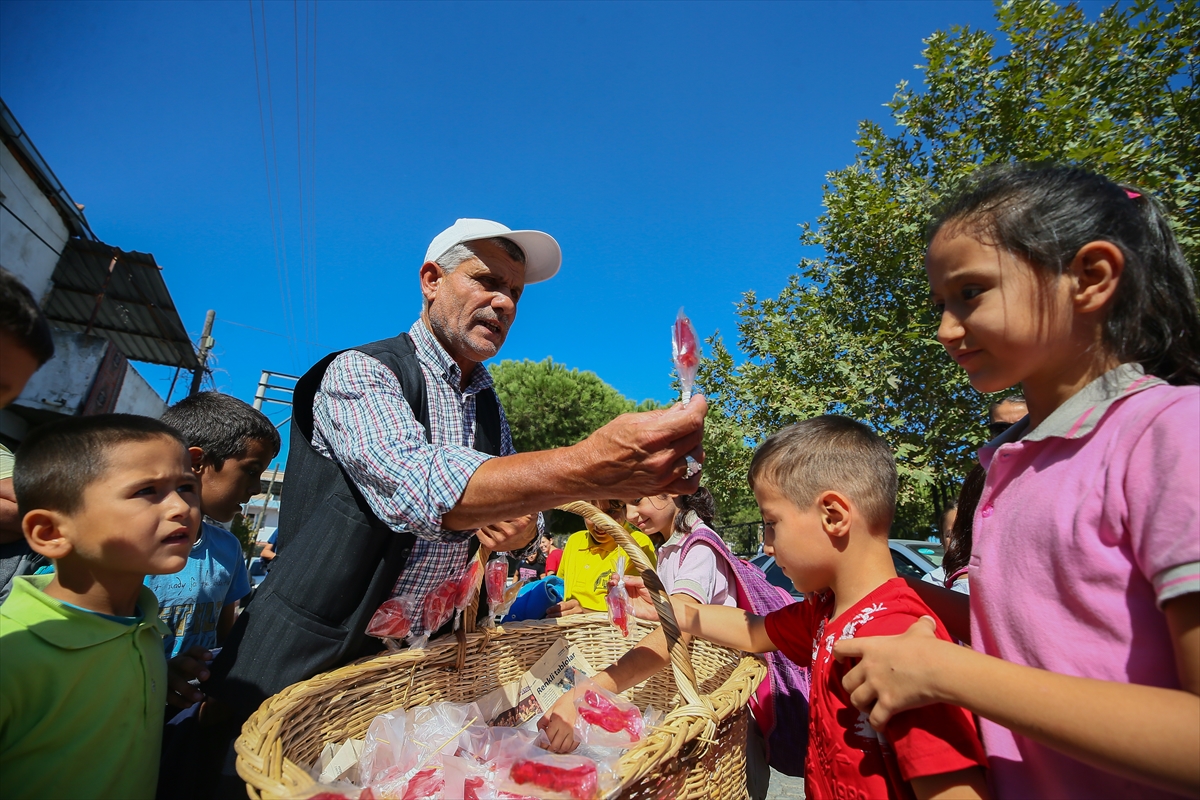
(913,559)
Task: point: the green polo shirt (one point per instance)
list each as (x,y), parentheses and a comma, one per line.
(81,698)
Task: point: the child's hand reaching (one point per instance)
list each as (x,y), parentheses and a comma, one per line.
(183,668)
(640,599)
(559,724)
(893,673)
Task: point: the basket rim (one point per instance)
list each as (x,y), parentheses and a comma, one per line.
(665,741)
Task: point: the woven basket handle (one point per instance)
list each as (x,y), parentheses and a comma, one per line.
(681,662)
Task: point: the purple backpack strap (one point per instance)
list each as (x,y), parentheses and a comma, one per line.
(781,709)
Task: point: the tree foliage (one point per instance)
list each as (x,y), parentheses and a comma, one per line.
(852,332)
(549,405)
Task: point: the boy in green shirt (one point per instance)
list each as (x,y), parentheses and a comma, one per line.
(110,499)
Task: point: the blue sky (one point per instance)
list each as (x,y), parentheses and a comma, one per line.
(671,148)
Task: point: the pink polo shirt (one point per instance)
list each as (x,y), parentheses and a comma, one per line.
(1086,526)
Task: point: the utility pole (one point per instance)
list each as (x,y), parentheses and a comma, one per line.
(270,488)
(206,344)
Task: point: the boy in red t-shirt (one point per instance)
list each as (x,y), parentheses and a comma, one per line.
(827,490)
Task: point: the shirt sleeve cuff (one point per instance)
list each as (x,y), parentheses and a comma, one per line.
(1177,581)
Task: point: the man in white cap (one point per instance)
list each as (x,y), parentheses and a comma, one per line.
(401,464)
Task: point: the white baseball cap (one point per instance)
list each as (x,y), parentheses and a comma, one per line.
(543,256)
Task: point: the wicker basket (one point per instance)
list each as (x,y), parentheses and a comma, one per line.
(697,752)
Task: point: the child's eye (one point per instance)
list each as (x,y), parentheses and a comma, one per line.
(971,292)
(145,491)
(187,488)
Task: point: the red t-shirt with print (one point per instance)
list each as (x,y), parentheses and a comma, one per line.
(847,758)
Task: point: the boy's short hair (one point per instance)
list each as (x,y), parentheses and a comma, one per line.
(830,452)
(57,462)
(220,425)
(21,318)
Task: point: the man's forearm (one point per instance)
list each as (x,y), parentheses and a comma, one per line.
(634,455)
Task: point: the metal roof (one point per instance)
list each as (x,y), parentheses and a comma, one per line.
(121,296)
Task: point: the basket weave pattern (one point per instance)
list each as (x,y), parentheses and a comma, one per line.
(697,752)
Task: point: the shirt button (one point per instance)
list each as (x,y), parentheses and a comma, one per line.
(987,511)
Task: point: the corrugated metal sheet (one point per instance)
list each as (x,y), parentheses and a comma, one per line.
(129,306)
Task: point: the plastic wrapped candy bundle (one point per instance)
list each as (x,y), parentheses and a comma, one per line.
(496,578)
(619,610)
(437,610)
(538,773)
(465,590)
(605,720)
(393,619)
(405,752)
(685,348)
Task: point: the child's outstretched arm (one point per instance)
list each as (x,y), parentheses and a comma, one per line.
(1141,732)
(723,625)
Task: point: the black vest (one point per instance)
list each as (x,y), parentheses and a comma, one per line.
(337,560)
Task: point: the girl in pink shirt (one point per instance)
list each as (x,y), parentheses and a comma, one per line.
(1085,566)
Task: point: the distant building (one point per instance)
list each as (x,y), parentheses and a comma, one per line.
(263,509)
(107,307)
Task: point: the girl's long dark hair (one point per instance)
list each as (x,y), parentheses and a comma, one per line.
(1045,213)
(701,502)
(960,536)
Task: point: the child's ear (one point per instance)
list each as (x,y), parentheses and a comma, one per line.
(198,462)
(44,533)
(1096,269)
(835,513)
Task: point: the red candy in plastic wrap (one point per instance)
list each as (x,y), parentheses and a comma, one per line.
(393,619)
(600,711)
(439,605)
(580,782)
(685,348)
(496,577)
(466,585)
(618,599)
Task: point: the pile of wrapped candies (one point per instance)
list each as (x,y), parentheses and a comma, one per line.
(397,617)
(446,750)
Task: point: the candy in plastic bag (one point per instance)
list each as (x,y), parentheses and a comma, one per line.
(619,610)
(393,619)
(436,611)
(496,578)
(685,350)
(603,719)
(465,589)
(535,772)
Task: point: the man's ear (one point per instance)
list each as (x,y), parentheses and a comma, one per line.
(44,533)
(430,275)
(197,456)
(835,513)
(1096,269)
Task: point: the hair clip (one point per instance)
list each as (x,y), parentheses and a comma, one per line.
(1132,195)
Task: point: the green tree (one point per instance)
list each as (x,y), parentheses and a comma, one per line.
(852,331)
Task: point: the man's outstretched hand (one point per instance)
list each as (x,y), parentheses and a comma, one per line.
(646,453)
(504,537)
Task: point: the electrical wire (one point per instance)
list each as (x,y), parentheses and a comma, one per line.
(273,198)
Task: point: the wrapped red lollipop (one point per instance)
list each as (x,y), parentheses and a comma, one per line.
(466,589)
(685,349)
(496,578)
(437,610)
(618,599)
(393,619)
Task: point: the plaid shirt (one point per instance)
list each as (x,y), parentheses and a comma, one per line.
(362,421)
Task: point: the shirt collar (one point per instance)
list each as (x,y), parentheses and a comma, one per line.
(1081,413)
(430,350)
(65,627)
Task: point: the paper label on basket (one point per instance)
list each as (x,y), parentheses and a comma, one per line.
(553,674)
(342,761)
(537,689)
